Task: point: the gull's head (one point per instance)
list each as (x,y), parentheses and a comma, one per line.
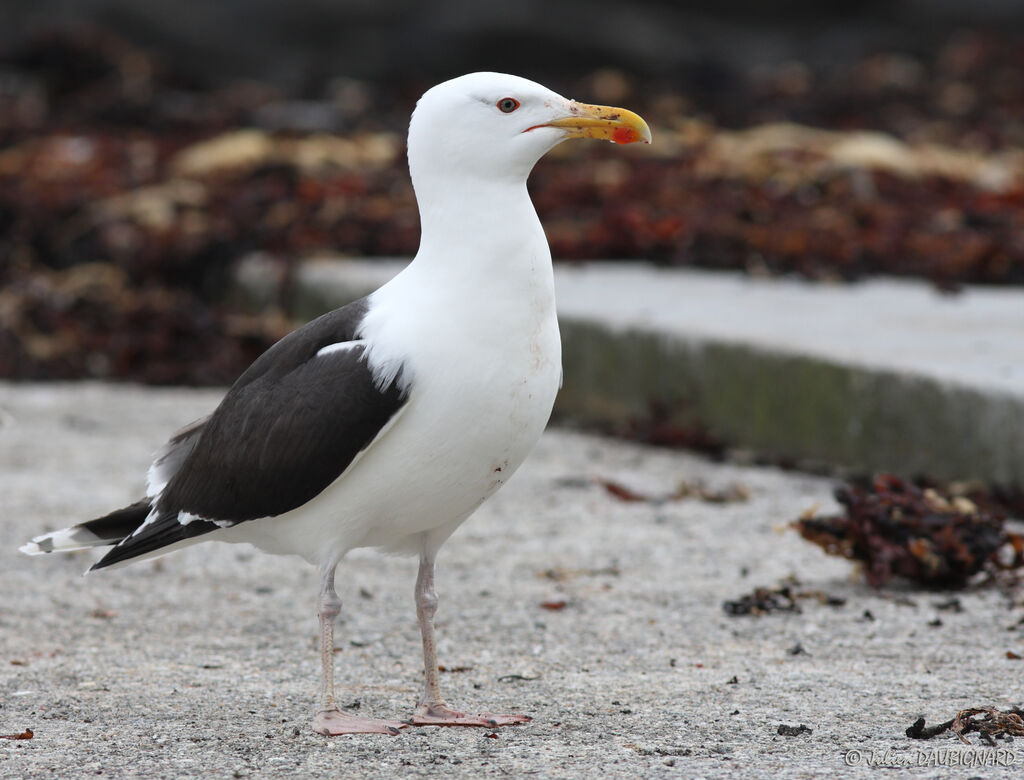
(497,126)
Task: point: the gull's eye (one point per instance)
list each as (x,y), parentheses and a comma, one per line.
(508,105)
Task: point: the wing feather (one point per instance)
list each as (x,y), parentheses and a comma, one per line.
(289,427)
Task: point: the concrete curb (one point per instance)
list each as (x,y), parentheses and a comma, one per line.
(884,375)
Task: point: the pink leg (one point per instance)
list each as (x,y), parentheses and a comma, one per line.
(329,720)
(432,709)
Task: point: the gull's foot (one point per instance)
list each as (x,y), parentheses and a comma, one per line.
(331,723)
(442,715)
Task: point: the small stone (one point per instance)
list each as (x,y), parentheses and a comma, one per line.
(793,731)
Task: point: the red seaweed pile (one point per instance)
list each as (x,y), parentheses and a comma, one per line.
(129,192)
(934,537)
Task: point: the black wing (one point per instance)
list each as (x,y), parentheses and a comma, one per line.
(290,425)
(168,459)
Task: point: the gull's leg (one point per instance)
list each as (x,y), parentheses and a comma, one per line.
(432,709)
(329,720)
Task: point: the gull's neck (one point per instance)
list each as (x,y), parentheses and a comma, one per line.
(479,224)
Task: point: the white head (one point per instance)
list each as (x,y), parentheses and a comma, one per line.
(496,127)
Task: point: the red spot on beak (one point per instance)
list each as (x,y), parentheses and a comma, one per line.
(624,135)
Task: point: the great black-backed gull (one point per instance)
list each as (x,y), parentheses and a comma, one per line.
(387,422)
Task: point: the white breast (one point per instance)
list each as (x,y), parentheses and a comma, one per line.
(479,343)
(485,363)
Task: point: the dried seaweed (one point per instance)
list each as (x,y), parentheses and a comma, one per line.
(668,424)
(112,158)
(990,723)
(90,321)
(554,605)
(766,601)
(730,494)
(26,734)
(763,601)
(927,535)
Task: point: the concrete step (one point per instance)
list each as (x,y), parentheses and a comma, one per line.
(880,375)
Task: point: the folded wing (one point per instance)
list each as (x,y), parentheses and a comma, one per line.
(290,426)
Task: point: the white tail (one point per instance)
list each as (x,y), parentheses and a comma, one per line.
(77,537)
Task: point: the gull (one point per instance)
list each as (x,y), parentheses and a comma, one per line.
(387,422)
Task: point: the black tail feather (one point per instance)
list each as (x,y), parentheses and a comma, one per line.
(119,524)
(162,531)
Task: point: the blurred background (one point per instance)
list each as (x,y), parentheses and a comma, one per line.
(147,147)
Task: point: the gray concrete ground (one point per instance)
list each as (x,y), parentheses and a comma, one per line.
(880,375)
(203,663)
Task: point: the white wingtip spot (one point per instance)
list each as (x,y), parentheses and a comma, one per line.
(31,548)
(341,346)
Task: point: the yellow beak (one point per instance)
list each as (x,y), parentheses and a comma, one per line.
(613,124)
